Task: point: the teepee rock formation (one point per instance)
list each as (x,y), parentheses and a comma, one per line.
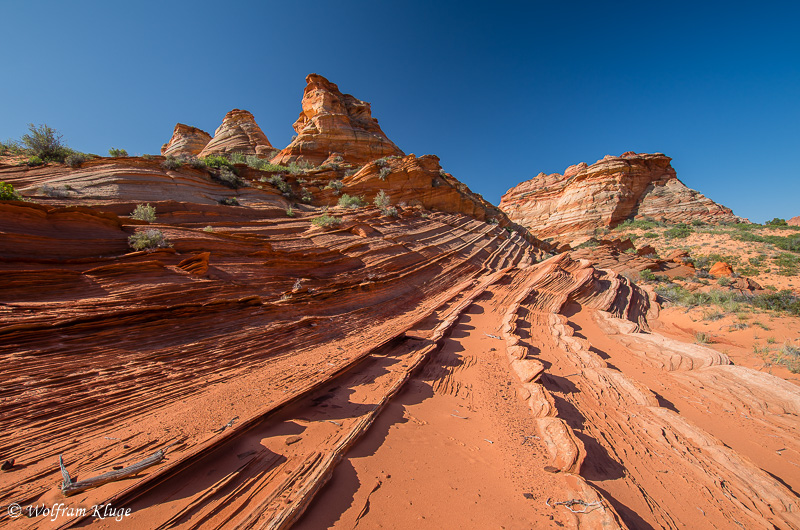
(239,133)
(332,122)
(186,141)
(569,207)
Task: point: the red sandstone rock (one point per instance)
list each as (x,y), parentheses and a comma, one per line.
(186,141)
(794,221)
(720,269)
(332,122)
(570,207)
(239,133)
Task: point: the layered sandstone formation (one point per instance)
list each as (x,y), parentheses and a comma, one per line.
(186,141)
(569,208)
(332,122)
(259,350)
(239,133)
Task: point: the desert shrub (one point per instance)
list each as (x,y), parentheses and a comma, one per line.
(229,201)
(45,143)
(789,356)
(782,301)
(149,239)
(702,338)
(193,161)
(55,192)
(384,172)
(217,161)
(35,161)
(290,212)
(633,224)
(389,211)
(326,221)
(171,163)
(8,193)
(697,222)
(381,199)
(335,185)
(724,281)
(299,167)
(238,158)
(347,201)
(787,264)
(305,195)
(117,152)
(148,157)
(75,159)
(227,177)
(777,222)
(264,165)
(282,185)
(144,212)
(647,275)
(209,228)
(790,243)
(350,172)
(679,231)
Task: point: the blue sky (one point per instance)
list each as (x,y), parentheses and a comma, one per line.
(498,91)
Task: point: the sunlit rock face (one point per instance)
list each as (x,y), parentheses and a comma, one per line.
(239,133)
(332,122)
(568,208)
(186,141)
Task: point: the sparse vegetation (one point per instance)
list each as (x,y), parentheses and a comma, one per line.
(282,185)
(264,165)
(289,212)
(789,356)
(209,228)
(171,163)
(35,161)
(54,191)
(229,201)
(217,161)
(777,221)
(226,175)
(326,221)
(679,231)
(8,193)
(305,195)
(75,159)
(381,200)
(731,301)
(384,172)
(149,239)
(117,152)
(347,201)
(702,338)
(335,185)
(45,143)
(144,212)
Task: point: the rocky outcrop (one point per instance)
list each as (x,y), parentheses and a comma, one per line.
(332,122)
(239,133)
(794,221)
(570,207)
(186,141)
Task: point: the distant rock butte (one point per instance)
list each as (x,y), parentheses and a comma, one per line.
(186,141)
(239,133)
(332,122)
(569,207)
(794,221)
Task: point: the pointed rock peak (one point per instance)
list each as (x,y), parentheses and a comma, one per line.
(239,133)
(186,141)
(332,122)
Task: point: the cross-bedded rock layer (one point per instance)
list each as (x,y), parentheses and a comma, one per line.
(186,141)
(569,208)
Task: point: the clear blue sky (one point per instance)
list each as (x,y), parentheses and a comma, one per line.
(499,91)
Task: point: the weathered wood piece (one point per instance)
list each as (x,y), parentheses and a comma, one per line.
(69,487)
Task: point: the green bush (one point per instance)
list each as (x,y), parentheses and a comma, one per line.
(58,193)
(679,231)
(326,221)
(8,193)
(149,239)
(238,158)
(45,143)
(117,152)
(305,195)
(633,224)
(217,161)
(229,201)
(384,172)
(647,275)
(335,185)
(702,338)
(724,281)
(390,211)
(347,201)
(777,222)
(782,301)
(282,185)
(35,161)
(289,212)
(144,212)
(264,165)
(299,167)
(193,161)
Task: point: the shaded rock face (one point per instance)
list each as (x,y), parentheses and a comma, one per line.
(332,122)
(569,207)
(239,133)
(186,141)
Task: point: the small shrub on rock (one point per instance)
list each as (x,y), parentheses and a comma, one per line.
(117,152)
(326,221)
(171,163)
(227,177)
(35,161)
(229,201)
(45,143)
(8,193)
(149,239)
(384,172)
(347,201)
(144,212)
(75,159)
